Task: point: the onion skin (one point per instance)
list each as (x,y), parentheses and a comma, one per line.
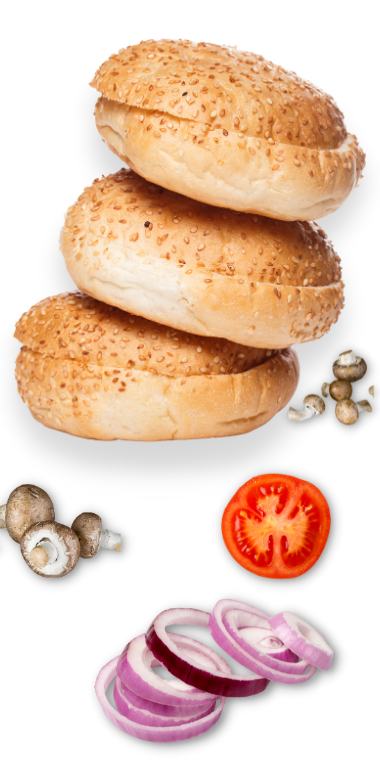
(217,684)
(146,733)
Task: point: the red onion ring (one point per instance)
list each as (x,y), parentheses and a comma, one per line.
(154,719)
(302,638)
(135,670)
(243,621)
(164,710)
(146,733)
(189,669)
(227,641)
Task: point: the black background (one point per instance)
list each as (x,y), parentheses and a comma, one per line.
(167,499)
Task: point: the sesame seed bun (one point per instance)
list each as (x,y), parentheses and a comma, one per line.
(96,371)
(228,128)
(257,281)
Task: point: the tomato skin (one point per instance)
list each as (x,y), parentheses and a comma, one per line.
(276,525)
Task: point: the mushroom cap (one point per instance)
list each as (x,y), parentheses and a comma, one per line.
(88,526)
(346,412)
(340,389)
(26,505)
(315,402)
(63,538)
(352,372)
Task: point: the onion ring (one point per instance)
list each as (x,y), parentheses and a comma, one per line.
(226,641)
(135,670)
(189,669)
(164,710)
(246,624)
(302,638)
(144,732)
(144,717)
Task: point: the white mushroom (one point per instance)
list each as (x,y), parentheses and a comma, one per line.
(88,527)
(314,405)
(25,506)
(50,549)
(337,390)
(347,411)
(348,367)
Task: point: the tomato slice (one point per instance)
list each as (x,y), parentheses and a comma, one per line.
(276,526)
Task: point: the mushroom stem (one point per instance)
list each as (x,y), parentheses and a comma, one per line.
(298,415)
(364,406)
(325,389)
(347,358)
(39,557)
(3,510)
(110,540)
(44,553)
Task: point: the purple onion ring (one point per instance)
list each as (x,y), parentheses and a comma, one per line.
(302,638)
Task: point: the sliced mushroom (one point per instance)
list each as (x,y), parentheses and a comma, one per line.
(26,505)
(88,527)
(340,390)
(372,391)
(314,405)
(347,411)
(348,367)
(50,549)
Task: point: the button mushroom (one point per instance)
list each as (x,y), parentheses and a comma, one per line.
(314,405)
(88,527)
(347,411)
(337,390)
(26,505)
(50,549)
(348,367)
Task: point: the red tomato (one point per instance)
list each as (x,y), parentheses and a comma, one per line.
(276,526)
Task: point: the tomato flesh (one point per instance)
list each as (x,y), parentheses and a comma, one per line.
(276,525)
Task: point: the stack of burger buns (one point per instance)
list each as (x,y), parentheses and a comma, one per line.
(190,297)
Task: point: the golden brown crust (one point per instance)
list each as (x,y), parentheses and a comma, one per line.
(254,280)
(82,399)
(73,326)
(231,129)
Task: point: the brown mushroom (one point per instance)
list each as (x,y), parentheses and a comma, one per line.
(348,367)
(372,390)
(314,405)
(88,527)
(50,549)
(347,411)
(340,390)
(26,505)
